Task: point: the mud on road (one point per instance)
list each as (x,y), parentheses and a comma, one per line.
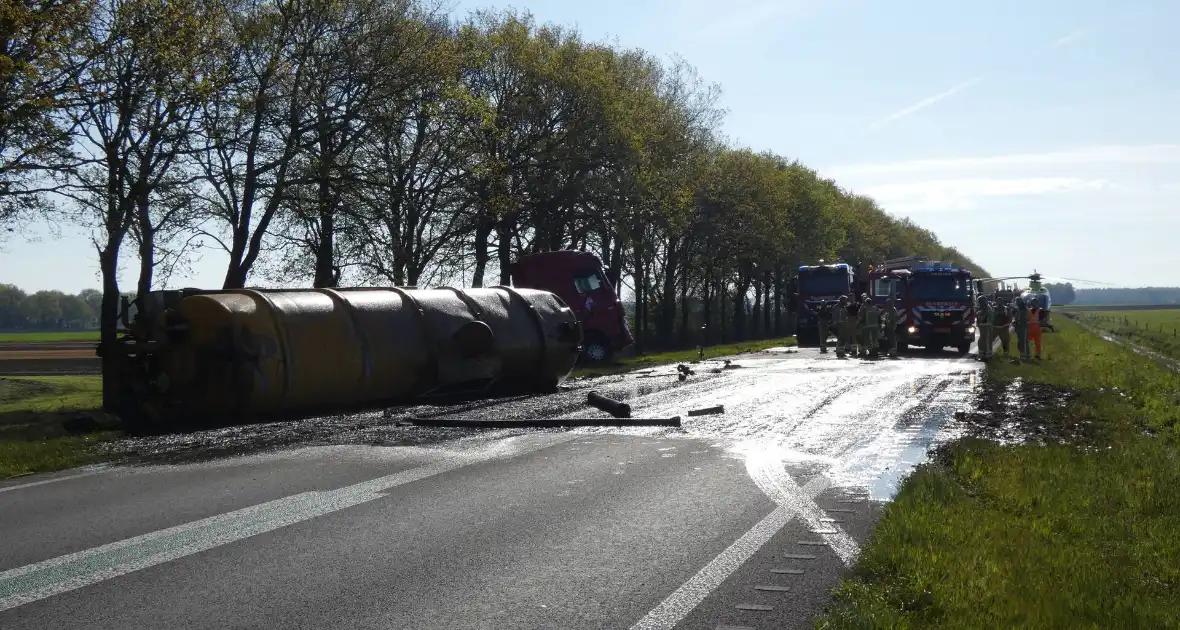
(861,422)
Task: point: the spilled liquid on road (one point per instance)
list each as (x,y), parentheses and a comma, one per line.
(860,423)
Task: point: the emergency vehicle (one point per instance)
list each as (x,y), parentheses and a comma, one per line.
(936,301)
(819,285)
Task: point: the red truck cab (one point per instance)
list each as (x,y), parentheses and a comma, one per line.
(578,279)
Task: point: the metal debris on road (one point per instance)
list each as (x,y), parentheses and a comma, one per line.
(614,407)
(674,421)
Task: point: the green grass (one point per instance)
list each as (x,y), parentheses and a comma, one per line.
(1082,534)
(680,356)
(18,458)
(37,337)
(47,423)
(1157,330)
(41,394)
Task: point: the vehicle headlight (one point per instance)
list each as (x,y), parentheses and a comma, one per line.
(970,329)
(912,329)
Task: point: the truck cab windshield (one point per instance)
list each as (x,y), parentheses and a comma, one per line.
(824,283)
(587,281)
(940,287)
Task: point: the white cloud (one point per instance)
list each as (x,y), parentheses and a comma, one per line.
(740,17)
(1072,37)
(968,193)
(924,103)
(1096,156)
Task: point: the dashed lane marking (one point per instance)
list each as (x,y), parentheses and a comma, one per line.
(787,571)
(812,543)
(840,511)
(757,607)
(676,606)
(774,588)
(798,556)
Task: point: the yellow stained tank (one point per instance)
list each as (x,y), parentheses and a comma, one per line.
(265,352)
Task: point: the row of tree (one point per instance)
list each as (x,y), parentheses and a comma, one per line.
(1145,295)
(47,310)
(335,142)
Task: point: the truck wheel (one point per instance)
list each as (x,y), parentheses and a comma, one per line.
(595,349)
(964,348)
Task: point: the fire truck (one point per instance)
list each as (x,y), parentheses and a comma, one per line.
(817,285)
(936,300)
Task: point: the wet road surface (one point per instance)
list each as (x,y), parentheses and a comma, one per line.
(741,519)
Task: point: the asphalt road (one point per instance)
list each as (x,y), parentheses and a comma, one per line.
(741,519)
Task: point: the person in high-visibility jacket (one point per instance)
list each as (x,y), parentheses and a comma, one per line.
(983,321)
(1034,327)
(870,328)
(1020,327)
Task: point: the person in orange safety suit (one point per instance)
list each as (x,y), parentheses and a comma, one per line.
(1034,326)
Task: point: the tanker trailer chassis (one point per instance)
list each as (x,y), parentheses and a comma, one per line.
(198,358)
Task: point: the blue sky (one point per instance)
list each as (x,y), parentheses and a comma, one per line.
(1038,134)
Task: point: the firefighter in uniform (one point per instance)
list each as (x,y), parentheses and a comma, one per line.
(839,318)
(870,327)
(1002,323)
(984,323)
(891,317)
(823,319)
(851,344)
(1020,326)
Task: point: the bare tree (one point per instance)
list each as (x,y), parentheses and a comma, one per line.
(144,81)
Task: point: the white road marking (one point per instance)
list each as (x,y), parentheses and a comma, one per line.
(676,606)
(66,573)
(32,484)
(768,473)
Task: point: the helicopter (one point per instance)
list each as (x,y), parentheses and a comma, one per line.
(1038,291)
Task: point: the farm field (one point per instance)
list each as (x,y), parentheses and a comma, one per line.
(1157,329)
(1077,308)
(44,337)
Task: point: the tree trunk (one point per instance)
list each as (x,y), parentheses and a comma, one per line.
(739,306)
(483,233)
(779,325)
(685,333)
(706,311)
(667,319)
(755,330)
(766,329)
(504,250)
(325,270)
(108,262)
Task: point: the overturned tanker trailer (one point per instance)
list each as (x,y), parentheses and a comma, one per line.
(197,357)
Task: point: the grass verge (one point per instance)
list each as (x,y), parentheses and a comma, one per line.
(49,423)
(680,356)
(1079,530)
(39,337)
